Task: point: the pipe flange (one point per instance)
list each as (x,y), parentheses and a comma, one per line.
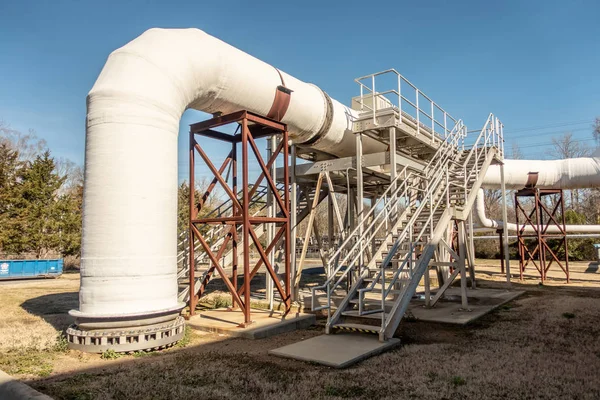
(327,122)
(148,338)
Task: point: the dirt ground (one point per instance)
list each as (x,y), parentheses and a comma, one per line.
(543,345)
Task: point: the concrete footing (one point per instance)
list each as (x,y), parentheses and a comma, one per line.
(338,351)
(264,323)
(449,310)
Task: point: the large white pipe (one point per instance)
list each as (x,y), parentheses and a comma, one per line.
(128,264)
(570,173)
(485,222)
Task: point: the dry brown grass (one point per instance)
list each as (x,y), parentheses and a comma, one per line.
(543,345)
(34,312)
(506,355)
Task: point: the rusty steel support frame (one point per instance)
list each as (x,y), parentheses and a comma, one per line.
(251,126)
(539,219)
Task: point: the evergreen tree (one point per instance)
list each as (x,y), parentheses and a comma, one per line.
(183,209)
(69,208)
(10,169)
(36,212)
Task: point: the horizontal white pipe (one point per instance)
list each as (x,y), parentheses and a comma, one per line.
(570,173)
(490,224)
(570,236)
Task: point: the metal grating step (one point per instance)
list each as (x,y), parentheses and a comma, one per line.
(357,328)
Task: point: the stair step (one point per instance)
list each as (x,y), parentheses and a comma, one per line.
(373,302)
(357,328)
(419,243)
(400,254)
(443,264)
(355,314)
(392,291)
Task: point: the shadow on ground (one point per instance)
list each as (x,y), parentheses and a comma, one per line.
(53,308)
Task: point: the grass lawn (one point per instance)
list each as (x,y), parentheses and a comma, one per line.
(545,345)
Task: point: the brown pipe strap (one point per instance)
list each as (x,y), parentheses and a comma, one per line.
(532,178)
(281,101)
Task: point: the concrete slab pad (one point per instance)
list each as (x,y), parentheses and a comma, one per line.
(449,310)
(264,323)
(338,351)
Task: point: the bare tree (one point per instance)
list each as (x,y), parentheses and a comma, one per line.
(28,145)
(596,130)
(567,147)
(516,153)
(72,173)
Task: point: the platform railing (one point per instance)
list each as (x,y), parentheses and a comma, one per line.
(490,136)
(410,101)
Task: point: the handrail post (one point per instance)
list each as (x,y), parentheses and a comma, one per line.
(445,126)
(432,123)
(418,112)
(373,100)
(362,104)
(400,98)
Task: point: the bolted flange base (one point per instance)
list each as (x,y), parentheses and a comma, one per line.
(123,340)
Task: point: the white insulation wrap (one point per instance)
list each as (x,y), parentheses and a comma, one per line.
(570,173)
(129,222)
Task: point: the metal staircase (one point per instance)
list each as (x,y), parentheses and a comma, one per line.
(216,236)
(411,218)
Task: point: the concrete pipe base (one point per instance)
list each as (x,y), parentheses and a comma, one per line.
(156,336)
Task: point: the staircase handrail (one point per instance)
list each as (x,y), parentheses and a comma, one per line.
(358,246)
(439,159)
(485,136)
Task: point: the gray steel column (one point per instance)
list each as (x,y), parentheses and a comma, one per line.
(270,231)
(393,170)
(293,215)
(471,252)
(504,223)
(330,222)
(359,196)
(462,248)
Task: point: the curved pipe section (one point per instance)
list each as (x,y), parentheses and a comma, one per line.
(491,224)
(128,265)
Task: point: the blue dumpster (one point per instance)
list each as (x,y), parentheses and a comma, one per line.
(19,269)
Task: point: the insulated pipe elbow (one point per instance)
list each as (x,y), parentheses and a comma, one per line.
(128,264)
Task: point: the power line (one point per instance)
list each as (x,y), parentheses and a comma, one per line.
(554,125)
(541,144)
(556,132)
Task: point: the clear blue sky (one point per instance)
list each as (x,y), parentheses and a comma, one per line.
(533,63)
